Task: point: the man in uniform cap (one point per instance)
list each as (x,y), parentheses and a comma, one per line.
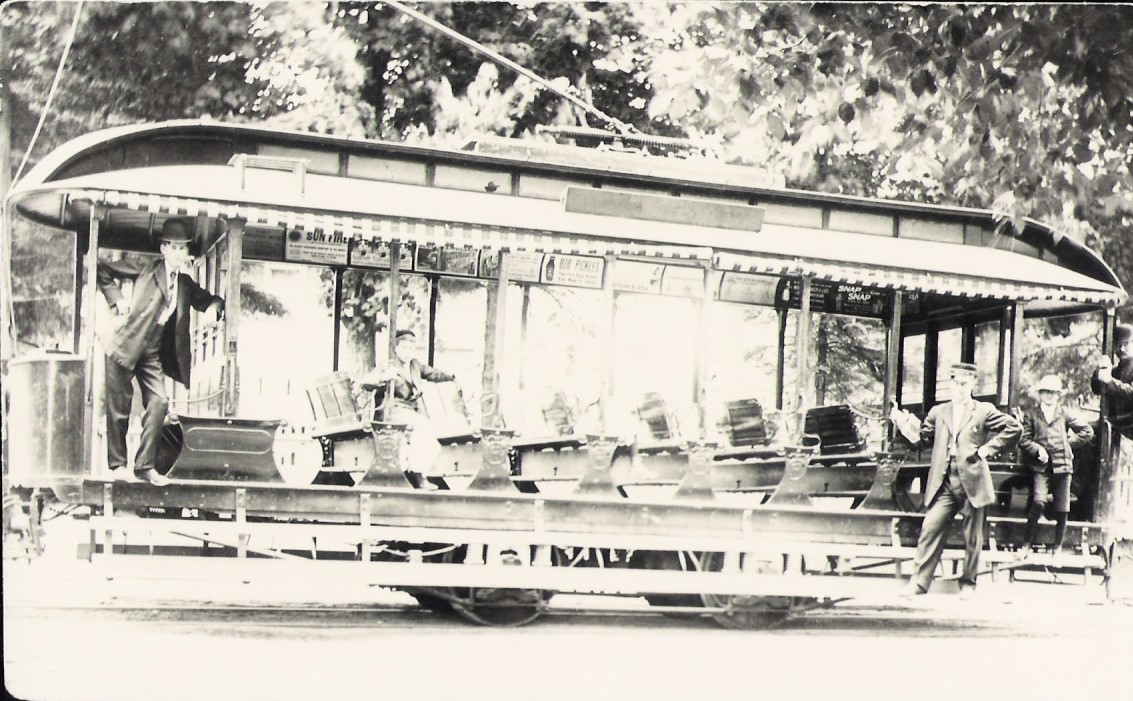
(964,434)
(1050,435)
(150,341)
(1115,383)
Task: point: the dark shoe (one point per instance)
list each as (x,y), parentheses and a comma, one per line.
(967,589)
(913,589)
(152,476)
(116,467)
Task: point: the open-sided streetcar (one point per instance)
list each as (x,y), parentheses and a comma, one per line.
(672,377)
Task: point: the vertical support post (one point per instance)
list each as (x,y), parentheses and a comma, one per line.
(1004,378)
(108,514)
(1014,386)
(336,332)
(242,518)
(364,522)
(892,365)
(1109,459)
(232,314)
(803,381)
(702,378)
(394,297)
(524,315)
(89,349)
(781,359)
(494,329)
(608,331)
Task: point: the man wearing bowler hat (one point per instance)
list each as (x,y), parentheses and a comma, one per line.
(1115,383)
(150,341)
(1050,435)
(964,434)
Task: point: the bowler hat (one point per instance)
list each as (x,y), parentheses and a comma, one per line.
(1049,383)
(964,368)
(178,230)
(1121,334)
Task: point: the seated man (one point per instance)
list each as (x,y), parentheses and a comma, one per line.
(401,402)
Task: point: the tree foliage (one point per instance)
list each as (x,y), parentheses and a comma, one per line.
(1025,109)
(414,73)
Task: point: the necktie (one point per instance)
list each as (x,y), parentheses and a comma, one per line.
(171,304)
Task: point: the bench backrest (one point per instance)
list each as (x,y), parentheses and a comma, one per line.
(654,413)
(836,428)
(334,406)
(559,415)
(746,425)
(443,403)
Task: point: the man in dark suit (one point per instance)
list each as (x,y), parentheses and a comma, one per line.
(964,434)
(1115,383)
(151,340)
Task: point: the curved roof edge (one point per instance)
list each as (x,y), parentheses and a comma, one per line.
(1073,253)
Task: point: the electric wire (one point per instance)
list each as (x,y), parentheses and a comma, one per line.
(51,92)
(502,60)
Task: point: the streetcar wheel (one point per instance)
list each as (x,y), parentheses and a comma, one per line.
(492,606)
(748,612)
(501,607)
(433,602)
(670,561)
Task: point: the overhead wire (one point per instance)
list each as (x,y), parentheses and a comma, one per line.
(51,93)
(502,60)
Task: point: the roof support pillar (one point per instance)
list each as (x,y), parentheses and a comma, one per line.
(892,363)
(804,382)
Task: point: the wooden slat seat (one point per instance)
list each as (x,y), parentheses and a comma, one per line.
(836,428)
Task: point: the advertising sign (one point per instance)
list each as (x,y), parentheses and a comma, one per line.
(683,281)
(317,246)
(263,244)
(840,298)
(375,254)
(576,271)
(451,261)
(746,288)
(634,276)
(522,266)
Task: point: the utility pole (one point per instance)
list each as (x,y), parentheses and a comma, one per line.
(5,182)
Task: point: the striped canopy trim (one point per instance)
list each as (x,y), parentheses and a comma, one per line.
(914,280)
(384,229)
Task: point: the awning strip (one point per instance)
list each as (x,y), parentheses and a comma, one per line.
(906,280)
(384,229)
(480,236)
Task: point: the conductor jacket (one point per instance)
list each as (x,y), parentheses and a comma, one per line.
(148,301)
(982,425)
(406,381)
(1053,437)
(1119,396)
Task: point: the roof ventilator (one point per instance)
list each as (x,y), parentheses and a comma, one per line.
(246,161)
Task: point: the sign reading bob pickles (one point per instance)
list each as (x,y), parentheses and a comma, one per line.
(576,271)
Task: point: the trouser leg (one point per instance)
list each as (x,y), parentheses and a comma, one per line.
(974,521)
(119,397)
(942,509)
(152,381)
(1059,530)
(1033,512)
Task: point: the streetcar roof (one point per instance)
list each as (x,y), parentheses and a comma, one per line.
(143,186)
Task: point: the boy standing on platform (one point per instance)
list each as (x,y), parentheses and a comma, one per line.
(1050,435)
